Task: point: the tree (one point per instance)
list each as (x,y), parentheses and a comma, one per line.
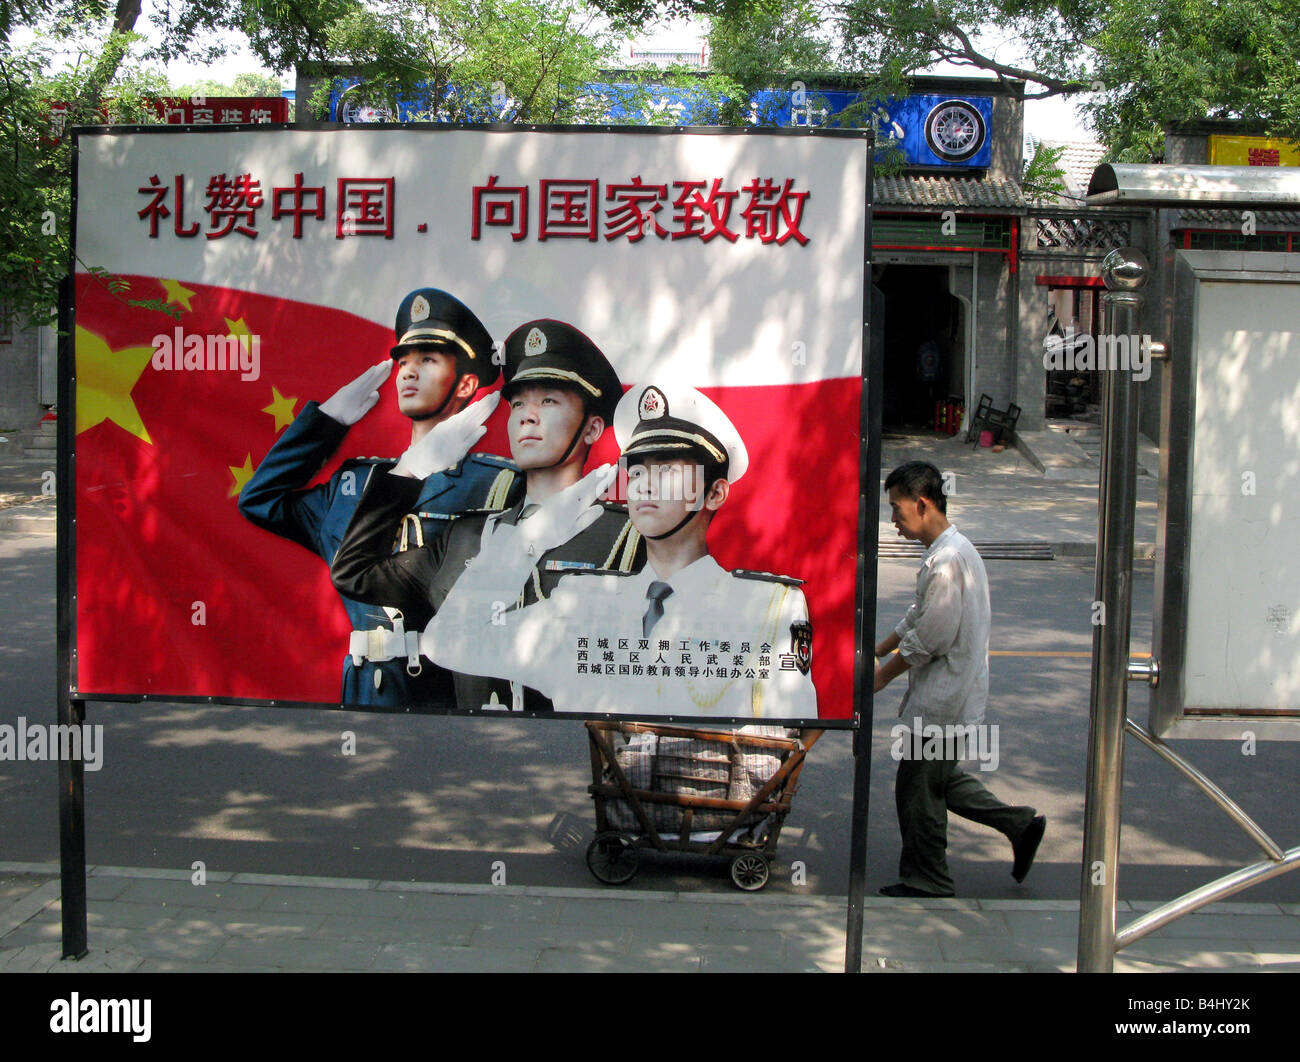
(472,60)
(37,101)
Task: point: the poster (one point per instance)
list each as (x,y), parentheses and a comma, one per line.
(231,282)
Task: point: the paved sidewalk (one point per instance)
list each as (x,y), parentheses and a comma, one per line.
(1004,498)
(143,920)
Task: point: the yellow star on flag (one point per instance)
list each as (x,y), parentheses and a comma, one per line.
(239,330)
(242,475)
(177,293)
(281,408)
(105,379)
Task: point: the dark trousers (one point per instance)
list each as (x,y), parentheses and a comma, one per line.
(924,792)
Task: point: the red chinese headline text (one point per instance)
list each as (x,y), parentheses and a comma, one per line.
(363,206)
(767,210)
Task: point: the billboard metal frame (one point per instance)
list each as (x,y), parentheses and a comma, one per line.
(71,707)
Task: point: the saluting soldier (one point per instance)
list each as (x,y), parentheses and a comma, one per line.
(442,355)
(561,392)
(683,636)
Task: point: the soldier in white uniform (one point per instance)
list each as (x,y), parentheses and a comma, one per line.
(682,637)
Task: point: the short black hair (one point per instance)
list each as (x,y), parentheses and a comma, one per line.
(919,479)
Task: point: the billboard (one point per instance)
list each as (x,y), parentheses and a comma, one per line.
(266,320)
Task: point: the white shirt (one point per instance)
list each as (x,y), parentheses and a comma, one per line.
(945,635)
(726,645)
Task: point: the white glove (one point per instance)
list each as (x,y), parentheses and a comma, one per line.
(565,514)
(448,442)
(353,401)
(492,580)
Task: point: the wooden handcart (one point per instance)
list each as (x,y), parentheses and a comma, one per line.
(708,791)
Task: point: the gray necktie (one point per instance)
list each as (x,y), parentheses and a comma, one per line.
(655,593)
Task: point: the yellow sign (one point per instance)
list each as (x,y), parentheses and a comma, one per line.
(1253,151)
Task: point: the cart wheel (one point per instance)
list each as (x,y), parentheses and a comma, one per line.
(750,871)
(613,858)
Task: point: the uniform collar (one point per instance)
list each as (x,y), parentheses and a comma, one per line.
(698,577)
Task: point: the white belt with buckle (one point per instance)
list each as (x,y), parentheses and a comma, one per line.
(381,644)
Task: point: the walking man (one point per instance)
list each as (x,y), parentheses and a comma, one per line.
(942,644)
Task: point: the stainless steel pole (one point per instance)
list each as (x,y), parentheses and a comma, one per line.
(1125,273)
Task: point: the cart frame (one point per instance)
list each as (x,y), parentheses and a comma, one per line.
(614,855)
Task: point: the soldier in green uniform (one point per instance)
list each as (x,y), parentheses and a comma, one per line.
(561,393)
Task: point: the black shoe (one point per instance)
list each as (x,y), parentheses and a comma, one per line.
(907,890)
(1025,846)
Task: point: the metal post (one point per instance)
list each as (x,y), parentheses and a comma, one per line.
(1125,273)
(71,710)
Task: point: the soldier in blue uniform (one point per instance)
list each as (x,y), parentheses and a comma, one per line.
(561,393)
(443,354)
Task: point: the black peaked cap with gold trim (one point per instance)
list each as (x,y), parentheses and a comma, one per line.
(432,317)
(550,352)
(675,420)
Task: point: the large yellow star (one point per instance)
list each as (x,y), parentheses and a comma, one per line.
(242,475)
(281,409)
(105,379)
(177,293)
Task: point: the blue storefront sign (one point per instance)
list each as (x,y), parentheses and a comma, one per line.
(931,130)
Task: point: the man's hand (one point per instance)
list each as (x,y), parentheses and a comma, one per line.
(448,442)
(566,513)
(353,401)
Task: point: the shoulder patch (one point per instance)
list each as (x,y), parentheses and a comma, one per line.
(767,577)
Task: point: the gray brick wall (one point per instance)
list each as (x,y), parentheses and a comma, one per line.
(19,407)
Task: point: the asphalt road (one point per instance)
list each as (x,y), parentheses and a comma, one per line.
(445,799)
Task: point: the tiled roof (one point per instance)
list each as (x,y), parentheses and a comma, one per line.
(1077,161)
(939,193)
(1231,219)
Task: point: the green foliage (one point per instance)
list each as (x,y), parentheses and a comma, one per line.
(1188,60)
(462,60)
(35,154)
(1043,177)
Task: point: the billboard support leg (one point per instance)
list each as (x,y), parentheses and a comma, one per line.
(72,836)
(858,849)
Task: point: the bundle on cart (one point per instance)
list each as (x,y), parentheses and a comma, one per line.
(691,789)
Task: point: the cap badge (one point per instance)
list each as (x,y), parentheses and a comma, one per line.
(419,309)
(653,404)
(534,342)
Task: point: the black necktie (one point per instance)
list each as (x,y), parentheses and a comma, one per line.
(655,594)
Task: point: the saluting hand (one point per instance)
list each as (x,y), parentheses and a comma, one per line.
(448,442)
(354,400)
(566,513)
